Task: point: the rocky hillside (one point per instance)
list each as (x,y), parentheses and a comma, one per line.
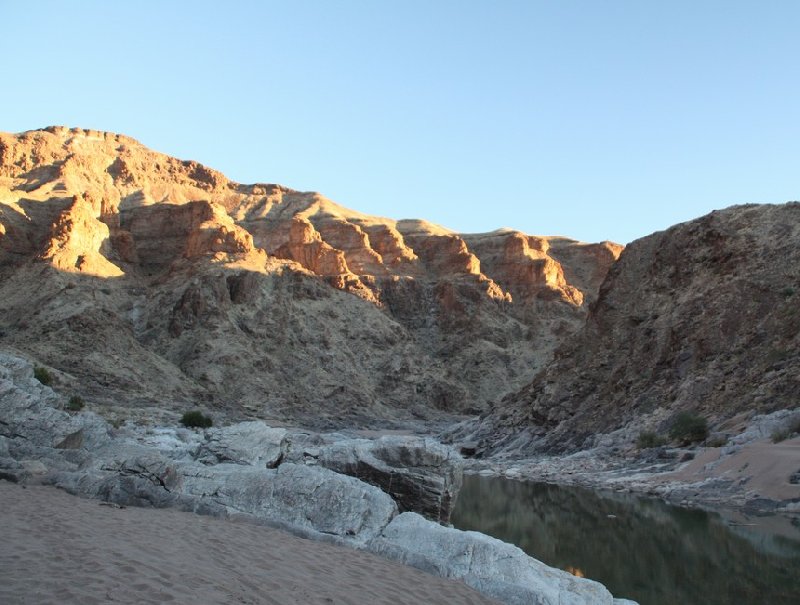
(141,280)
(702,317)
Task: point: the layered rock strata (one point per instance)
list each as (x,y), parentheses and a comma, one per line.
(137,277)
(700,318)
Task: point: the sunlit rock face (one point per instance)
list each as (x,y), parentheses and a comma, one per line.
(141,278)
(702,317)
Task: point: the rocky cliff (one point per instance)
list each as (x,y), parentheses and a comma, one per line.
(702,317)
(142,280)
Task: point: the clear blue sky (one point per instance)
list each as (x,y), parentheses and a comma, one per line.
(592,119)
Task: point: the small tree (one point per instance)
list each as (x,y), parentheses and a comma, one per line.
(648,439)
(42,375)
(196,419)
(688,428)
(75,404)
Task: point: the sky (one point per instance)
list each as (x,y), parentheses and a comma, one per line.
(597,120)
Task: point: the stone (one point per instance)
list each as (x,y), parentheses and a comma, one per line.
(296,497)
(421,474)
(311,501)
(492,567)
(249,443)
(28,412)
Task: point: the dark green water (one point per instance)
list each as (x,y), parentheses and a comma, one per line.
(640,548)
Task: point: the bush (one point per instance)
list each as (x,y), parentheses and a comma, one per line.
(42,375)
(649,439)
(196,419)
(688,428)
(780,435)
(75,404)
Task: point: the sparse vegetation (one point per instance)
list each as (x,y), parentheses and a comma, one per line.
(793,428)
(688,428)
(787,292)
(717,441)
(76,403)
(42,375)
(196,419)
(780,435)
(648,439)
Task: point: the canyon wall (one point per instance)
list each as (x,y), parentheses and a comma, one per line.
(146,282)
(700,318)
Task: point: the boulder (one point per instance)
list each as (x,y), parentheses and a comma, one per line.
(310,501)
(28,412)
(171,442)
(248,443)
(146,479)
(492,567)
(421,474)
(294,496)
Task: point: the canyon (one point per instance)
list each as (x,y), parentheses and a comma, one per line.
(356,366)
(699,318)
(146,285)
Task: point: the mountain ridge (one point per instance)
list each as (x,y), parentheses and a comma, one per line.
(700,318)
(142,278)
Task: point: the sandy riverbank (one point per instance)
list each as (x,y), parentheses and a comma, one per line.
(756,476)
(58,548)
(762,467)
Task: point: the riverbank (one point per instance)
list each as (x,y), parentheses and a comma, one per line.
(758,476)
(59,548)
(369,495)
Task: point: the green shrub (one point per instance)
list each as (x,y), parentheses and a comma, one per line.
(649,439)
(42,375)
(196,419)
(75,404)
(780,435)
(688,428)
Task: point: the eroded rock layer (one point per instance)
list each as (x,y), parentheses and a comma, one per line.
(700,318)
(140,279)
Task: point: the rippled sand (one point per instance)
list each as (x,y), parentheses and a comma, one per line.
(57,548)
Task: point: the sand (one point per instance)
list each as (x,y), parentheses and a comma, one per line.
(762,466)
(57,548)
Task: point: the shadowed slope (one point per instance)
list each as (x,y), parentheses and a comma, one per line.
(142,278)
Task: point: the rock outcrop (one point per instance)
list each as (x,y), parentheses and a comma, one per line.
(488,565)
(225,473)
(247,443)
(702,317)
(138,277)
(421,474)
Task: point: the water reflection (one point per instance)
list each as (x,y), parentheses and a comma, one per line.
(640,548)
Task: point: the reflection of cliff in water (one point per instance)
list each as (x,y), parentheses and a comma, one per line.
(639,548)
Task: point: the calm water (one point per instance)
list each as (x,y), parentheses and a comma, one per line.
(641,549)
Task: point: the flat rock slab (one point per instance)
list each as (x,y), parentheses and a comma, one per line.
(492,567)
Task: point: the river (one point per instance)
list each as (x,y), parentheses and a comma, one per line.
(640,548)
